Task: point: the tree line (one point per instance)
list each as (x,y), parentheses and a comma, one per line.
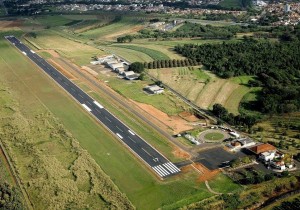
(238,120)
(157,64)
(193,30)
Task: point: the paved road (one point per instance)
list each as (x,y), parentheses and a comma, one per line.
(154,159)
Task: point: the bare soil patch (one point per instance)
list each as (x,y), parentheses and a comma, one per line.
(180,153)
(189,117)
(176,123)
(9,24)
(206,173)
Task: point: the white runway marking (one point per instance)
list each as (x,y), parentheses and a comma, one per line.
(86,107)
(24,53)
(99,105)
(146,152)
(131,132)
(121,137)
(107,119)
(119,129)
(131,139)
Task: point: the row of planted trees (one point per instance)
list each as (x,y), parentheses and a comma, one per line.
(157,64)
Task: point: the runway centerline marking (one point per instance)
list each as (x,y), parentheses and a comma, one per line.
(146,151)
(131,139)
(107,119)
(119,129)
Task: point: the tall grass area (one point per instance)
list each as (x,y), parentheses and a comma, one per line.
(39,101)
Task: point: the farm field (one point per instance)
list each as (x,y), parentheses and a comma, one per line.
(50,103)
(204,88)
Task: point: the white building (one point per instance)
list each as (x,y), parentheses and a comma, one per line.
(154,89)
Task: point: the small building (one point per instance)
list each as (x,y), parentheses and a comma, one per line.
(154,89)
(114,66)
(238,144)
(234,134)
(267,156)
(132,77)
(260,148)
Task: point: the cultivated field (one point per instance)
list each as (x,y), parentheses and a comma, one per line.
(204,88)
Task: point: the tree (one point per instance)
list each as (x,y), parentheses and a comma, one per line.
(137,67)
(219,110)
(10,197)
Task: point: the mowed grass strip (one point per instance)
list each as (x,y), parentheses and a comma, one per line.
(154,54)
(107,151)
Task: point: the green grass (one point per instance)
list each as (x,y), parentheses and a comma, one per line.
(165,102)
(201,75)
(126,23)
(45,55)
(154,54)
(214,136)
(223,184)
(106,150)
(130,55)
(242,80)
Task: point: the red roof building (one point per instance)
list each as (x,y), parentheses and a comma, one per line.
(258,149)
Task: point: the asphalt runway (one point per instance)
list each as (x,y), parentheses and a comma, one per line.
(160,165)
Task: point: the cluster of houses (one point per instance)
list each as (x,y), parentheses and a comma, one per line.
(117,65)
(266,153)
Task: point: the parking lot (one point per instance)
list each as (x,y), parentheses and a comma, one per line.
(215,158)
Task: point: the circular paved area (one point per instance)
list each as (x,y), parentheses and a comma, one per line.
(213,135)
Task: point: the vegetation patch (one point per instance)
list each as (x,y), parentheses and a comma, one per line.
(214,136)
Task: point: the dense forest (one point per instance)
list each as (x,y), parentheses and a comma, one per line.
(275,64)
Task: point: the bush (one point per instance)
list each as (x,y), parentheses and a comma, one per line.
(137,67)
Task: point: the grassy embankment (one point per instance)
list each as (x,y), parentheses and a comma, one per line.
(39,100)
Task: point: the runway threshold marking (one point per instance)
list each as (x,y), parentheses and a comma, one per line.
(86,107)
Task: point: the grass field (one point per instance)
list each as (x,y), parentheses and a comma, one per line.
(204,88)
(128,54)
(40,94)
(154,54)
(115,29)
(165,102)
(77,52)
(214,136)
(223,184)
